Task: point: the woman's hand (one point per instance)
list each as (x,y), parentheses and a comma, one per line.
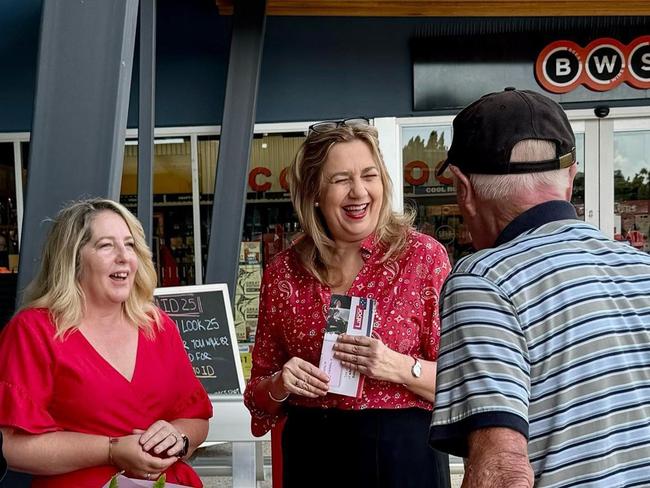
(161,439)
(370,356)
(300,377)
(128,454)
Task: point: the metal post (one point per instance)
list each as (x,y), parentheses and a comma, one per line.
(234,147)
(146,115)
(81,104)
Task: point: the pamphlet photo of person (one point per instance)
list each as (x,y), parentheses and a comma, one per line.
(339,314)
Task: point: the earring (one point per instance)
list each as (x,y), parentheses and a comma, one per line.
(316,204)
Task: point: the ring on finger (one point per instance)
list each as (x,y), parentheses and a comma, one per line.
(148,476)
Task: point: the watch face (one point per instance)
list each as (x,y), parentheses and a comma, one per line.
(416,370)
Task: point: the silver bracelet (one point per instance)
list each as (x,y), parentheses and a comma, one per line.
(277,400)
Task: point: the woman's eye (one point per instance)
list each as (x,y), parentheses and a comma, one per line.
(371,176)
(130,244)
(340,180)
(105,245)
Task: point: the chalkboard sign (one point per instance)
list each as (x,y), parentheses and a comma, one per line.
(204,319)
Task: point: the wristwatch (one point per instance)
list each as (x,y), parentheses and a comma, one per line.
(186,446)
(416,369)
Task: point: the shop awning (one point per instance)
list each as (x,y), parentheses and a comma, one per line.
(446,8)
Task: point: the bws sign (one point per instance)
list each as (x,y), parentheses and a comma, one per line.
(602,65)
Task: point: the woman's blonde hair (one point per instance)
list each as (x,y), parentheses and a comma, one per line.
(56,287)
(305,176)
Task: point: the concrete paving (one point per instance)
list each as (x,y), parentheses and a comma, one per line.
(222,452)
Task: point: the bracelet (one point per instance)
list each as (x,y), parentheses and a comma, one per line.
(277,400)
(111,441)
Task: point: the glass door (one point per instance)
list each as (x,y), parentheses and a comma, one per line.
(630,174)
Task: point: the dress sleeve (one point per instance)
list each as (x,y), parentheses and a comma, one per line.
(268,354)
(437,265)
(193,402)
(27,369)
(483,368)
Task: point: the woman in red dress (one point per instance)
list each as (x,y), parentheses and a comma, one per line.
(353,244)
(94,379)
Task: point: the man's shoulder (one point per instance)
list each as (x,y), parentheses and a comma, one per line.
(559,230)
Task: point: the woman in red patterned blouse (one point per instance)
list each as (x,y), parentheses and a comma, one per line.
(353,244)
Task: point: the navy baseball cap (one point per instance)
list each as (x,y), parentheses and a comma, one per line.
(486,131)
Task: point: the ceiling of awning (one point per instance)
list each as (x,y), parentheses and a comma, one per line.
(445,8)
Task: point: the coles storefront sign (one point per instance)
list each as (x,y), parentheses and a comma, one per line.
(262,179)
(602,65)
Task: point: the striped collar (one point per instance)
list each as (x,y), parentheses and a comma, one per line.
(535,217)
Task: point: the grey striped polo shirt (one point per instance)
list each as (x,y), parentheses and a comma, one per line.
(549,334)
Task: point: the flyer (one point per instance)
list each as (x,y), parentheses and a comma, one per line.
(353,316)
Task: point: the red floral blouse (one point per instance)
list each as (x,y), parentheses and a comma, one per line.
(293,310)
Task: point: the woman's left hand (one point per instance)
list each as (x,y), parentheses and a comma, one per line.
(369,356)
(161,439)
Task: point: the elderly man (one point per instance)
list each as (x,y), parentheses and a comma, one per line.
(544,365)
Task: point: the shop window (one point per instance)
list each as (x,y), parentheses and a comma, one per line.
(432,199)
(632,188)
(269,220)
(208,151)
(8,232)
(8,211)
(173,227)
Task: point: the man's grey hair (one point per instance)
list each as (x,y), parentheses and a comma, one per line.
(509,187)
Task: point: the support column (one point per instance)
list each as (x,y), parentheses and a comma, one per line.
(82,97)
(249,21)
(146,115)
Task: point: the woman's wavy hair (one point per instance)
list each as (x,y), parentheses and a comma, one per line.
(306,179)
(56,287)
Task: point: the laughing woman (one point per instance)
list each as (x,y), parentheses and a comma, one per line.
(94,379)
(353,244)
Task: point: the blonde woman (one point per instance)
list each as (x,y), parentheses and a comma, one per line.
(94,379)
(353,244)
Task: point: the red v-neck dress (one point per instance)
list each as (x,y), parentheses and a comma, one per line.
(49,385)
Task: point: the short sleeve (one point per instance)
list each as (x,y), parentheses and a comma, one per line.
(436,263)
(27,369)
(483,369)
(193,401)
(268,356)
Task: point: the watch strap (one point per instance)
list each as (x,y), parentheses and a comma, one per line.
(186,446)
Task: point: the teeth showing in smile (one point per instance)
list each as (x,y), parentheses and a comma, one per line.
(120,276)
(355,208)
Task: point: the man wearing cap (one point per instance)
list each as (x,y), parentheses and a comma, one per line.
(544,362)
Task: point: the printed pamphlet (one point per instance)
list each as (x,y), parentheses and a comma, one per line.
(353,316)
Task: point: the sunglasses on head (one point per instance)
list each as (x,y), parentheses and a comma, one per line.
(327,125)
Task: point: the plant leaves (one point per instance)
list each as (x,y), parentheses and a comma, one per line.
(160,482)
(113,483)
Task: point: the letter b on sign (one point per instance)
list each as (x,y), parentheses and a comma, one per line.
(559,66)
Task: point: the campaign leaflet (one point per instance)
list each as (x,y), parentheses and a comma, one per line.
(353,316)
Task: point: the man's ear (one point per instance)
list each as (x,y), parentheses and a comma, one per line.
(464,192)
